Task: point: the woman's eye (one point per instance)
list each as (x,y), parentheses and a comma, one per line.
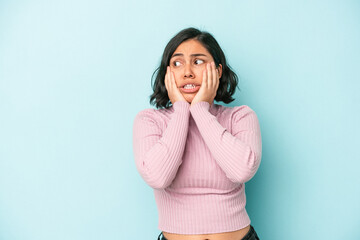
(176,63)
(199,61)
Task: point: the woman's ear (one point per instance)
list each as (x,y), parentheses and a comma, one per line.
(219,68)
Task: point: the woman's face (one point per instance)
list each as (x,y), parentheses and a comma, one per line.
(188,63)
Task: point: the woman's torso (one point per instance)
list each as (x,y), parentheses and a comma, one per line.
(236,235)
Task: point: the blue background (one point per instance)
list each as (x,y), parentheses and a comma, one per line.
(73,75)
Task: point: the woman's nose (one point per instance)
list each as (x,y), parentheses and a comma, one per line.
(188,71)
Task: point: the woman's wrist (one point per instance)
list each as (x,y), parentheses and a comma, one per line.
(181,104)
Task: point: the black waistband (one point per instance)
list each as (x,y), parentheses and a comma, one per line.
(251,235)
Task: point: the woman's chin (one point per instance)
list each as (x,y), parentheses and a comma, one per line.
(189,98)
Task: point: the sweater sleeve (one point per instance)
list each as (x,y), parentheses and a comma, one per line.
(158,154)
(238,154)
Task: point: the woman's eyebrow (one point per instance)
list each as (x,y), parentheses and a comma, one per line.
(192,55)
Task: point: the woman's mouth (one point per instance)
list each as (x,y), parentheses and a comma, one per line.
(190,88)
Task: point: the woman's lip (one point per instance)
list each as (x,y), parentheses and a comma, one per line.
(191,84)
(190,90)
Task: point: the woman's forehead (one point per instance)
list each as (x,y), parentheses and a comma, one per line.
(191,48)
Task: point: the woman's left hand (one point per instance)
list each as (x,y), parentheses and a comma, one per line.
(209,85)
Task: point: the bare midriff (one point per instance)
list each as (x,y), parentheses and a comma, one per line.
(236,235)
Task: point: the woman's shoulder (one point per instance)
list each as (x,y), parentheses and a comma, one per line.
(153,114)
(235,110)
(237,114)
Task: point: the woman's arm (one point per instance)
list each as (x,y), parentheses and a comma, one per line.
(237,154)
(158,154)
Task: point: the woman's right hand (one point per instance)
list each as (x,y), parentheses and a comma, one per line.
(171,87)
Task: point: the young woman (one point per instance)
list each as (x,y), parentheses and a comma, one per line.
(195,154)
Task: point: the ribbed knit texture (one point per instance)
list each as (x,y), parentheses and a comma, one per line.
(197,159)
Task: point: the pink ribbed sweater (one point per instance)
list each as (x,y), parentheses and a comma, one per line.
(197,159)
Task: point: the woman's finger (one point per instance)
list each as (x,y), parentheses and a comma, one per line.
(169,79)
(204,80)
(213,75)
(174,87)
(171,84)
(166,79)
(217,78)
(172,79)
(209,75)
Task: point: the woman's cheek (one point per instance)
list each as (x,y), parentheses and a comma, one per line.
(201,73)
(177,76)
